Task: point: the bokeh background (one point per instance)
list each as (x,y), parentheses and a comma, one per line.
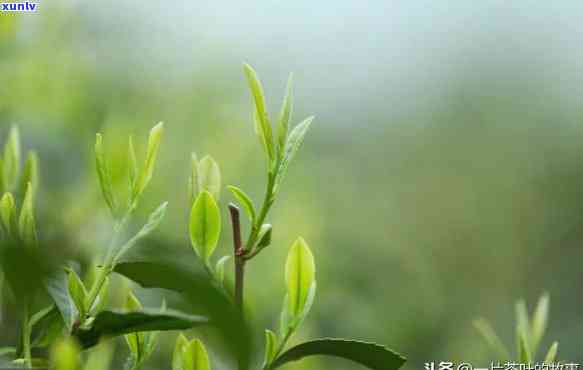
(441,181)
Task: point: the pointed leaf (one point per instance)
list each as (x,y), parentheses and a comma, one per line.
(209,176)
(30,174)
(285,115)
(151,154)
(260,108)
(271,344)
(524,354)
(292,146)
(110,324)
(205,225)
(104,174)
(193,181)
(551,355)
(220,268)
(195,356)
(26,223)
(181,344)
(370,355)
(299,275)
(11,159)
(493,341)
(264,236)
(8,213)
(77,291)
(522,327)
(539,321)
(244,200)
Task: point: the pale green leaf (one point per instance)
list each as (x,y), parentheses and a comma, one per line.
(524,354)
(11,159)
(244,200)
(260,107)
(151,154)
(26,222)
(220,268)
(193,180)
(30,173)
(205,225)
(271,344)
(65,355)
(195,356)
(300,273)
(551,355)
(522,326)
(493,341)
(285,116)
(181,344)
(539,322)
(77,292)
(294,141)
(209,176)
(8,212)
(264,236)
(104,174)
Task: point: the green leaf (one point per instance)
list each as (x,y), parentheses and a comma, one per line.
(300,273)
(264,236)
(370,355)
(493,341)
(151,155)
(271,344)
(522,327)
(100,358)
(8,213)
(30,174)
(261,110)
(539,322)
(551,355)
(524,354)
(132,168)
(104,174)
(292,146)
(220,268)
(244,200)
(65,355)
(110,324)
(205,225)
(57,287)
(152,224)
(77,292)
(181,343)
(11,159)
(135,341)
(193,181)
(209,176)
(195,356)
(285,115)
(26,223)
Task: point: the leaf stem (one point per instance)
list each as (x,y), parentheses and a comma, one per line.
(26,336)
(238,254)
(265,207)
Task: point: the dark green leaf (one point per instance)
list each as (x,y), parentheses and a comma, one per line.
(371,355)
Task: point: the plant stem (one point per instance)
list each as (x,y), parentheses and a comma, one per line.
(26,337)
(238,254)
(265,207)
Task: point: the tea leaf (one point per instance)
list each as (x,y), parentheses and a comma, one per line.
(220,268)
(57,287)
(8,212)
(135,341)
(261,110)
(205,225)
(77,292)
(524,354)
(152,224)
(30,174)
(271,343)
(110,324)
(264,236)
(489,335)
(551,355)
(193,188)
(539,321)
(522,327)
(209,176)
(299,276)
(292,145)
(244,200)
(104,175)
(181,343)
(11,159)
(151,155)
(65,355)
(132,168)
(26,223)
(370,355)
(285,115)
(195,356)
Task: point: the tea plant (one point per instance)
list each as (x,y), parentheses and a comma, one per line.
(529,333)
(77,320)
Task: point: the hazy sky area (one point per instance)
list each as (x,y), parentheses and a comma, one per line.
(381,56)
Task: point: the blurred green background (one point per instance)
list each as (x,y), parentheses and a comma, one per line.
(441,181)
